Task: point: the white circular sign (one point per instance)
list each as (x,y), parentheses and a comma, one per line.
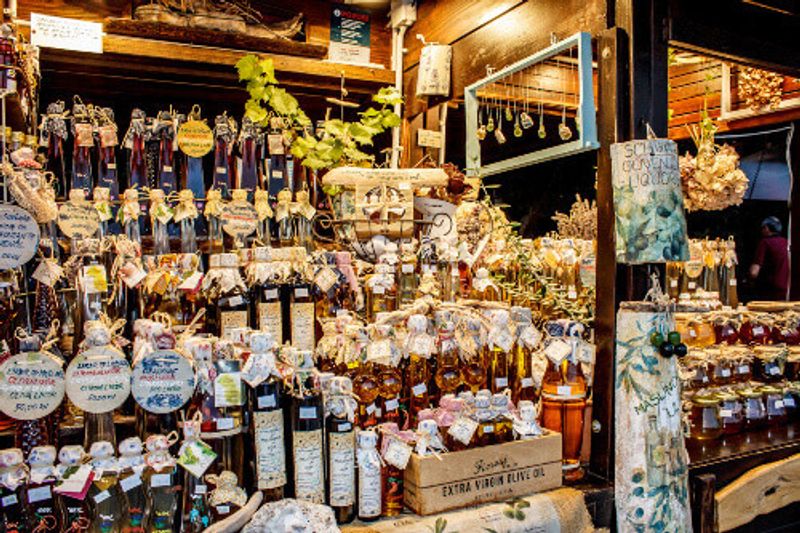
(99,379)
(78,220)
(163,381)
(19,236)
(31,386)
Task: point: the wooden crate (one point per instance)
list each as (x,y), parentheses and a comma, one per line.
(480,475)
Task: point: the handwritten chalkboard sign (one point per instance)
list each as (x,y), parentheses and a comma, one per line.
(78,219)
(163,381)
(19,236)
(31,385)
(99,379)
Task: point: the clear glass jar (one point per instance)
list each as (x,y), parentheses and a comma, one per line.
(755,413)
(743,365)
(791,395)
(706,422)
(773,400)
(731,412)
(723,369)
(769,364)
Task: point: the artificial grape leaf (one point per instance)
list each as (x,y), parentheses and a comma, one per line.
(390,120)
(388,96)
(254,111)
(268,69)
(282,102)
(248,67)
(361,133)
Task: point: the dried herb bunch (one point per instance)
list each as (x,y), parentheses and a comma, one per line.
(580,223)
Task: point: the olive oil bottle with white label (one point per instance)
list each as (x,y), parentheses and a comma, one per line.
(302,314)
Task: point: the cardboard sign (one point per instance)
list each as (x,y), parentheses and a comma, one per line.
(78,220)
(66,33)
(19,236)
(429,138)
(195,138)
(163,381)
(31,386)
(99,379)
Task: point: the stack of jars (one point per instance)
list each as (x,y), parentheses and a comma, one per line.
(731,389)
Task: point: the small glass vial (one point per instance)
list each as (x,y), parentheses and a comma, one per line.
(498,350)
(448,373)
(74,513)
(226,294)
(131,465)
(528,338)
(484,288)
(755,413)
(370,493)
(367,389)
(109,509)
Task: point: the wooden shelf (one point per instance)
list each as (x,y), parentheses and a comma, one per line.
(146,55)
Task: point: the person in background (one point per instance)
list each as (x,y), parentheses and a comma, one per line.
(770,268)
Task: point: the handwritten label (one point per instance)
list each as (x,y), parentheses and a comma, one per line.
(270,319)
(195,138)
(270,453)
(31,386)
(78,220)
(66,34)
(19,237)
(429,138)
(341,466)
(302,318)
(239,219)
(309,468)
(99,380)
(163,381)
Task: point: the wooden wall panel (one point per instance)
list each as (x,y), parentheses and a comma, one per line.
(518,33)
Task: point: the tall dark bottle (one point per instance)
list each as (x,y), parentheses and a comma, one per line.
(341,444)
(307,427)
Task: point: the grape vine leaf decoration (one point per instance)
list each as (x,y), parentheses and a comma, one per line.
(339,143)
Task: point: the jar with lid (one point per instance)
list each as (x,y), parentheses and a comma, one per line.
(791,395)
(743,364)
(755,414)
(723,367)
(773,400)
(792,367)
(706,422)
(726,329)
(695,332)
(699,369)
(769,363)
(731,411)
(754,330)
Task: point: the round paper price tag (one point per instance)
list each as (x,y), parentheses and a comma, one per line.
(31,386)
(195,138)
(99,379)
(239,219)
(19,236)
(163,381)
(78,220)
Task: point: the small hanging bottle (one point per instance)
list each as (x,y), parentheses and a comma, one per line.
(341,449)
(136,136)
(83,142)
(40,500)
(186,215)
(307,429)
(369,477)
(131,466)
(160,216)
(213,213)
(109,509)
(251,143)
(264,210)
(164,130)
(303,215)
(224,170)
(128,215)
(503,430)
(54,134)
(107,147)
(74,514)
(283,217)
(13,479)
(419,346)
(227,497)
(161,483)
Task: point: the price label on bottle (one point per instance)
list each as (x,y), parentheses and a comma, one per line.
(564,390)
(774,370)
(488,428)
(308,413)
(725,372)
(788,402)
(266,402)
(407,268)
(224,424)
(130,482)
(758,330)
(501,382)
(11,499)
(527,383)
(419,389)
(744,369)
(102,496)
(160,480)
(301,292)
(726,413)
(392,404)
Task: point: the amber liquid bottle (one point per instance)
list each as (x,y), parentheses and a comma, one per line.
(564,390)
(40,502)
(448,373)
(381,291)
(390,385)
(522,385)
(391,478)
(407,280)
(419,345)
(497,351)
(367,389)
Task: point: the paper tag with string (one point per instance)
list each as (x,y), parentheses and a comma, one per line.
(397,453)
(48,272)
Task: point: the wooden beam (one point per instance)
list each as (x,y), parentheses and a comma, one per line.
(612,119)
(760,491)
(704,507)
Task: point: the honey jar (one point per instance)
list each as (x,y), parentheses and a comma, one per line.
(706,422)
(755,414)
(769,363)
(775,407)
(731,412)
